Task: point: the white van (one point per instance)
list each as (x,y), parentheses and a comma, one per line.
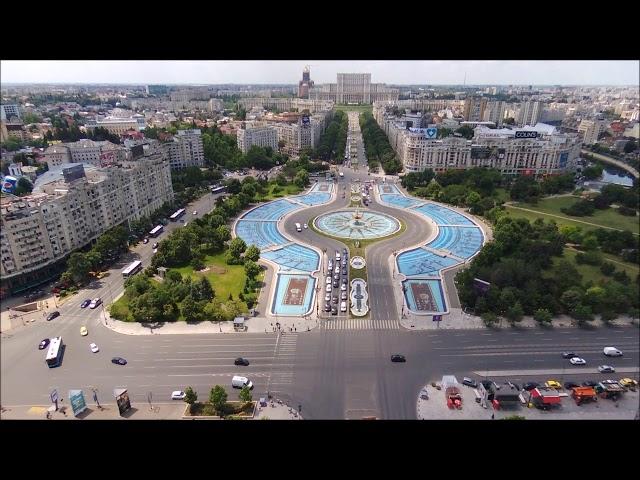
(298,227)
(239,382)
(612,352)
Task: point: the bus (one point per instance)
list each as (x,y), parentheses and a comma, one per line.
(54,354)
(132,269)
(177,215)
(215,190)
(156,231)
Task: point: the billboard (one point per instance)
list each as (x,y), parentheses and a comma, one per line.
(564,158)
(526,134)
(107,158)
(484,153)
(73,173)
(76,399)
(306,121)
(480,286)
(122,399)
(431,133)
(501,153)
(9,184)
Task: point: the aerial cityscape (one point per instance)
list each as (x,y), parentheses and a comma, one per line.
(319,240)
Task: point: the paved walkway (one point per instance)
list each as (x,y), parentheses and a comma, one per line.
(160,411)
(277,411)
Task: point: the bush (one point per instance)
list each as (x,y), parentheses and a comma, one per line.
(607,268)
(589,258)
(489,318)
(542,316)
(197,264)
(630,212)
(579,209)
(622,277)
(608,315)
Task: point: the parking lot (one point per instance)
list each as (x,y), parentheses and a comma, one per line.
(626,407)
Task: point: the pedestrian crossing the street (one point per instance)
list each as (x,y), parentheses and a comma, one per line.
(360,324)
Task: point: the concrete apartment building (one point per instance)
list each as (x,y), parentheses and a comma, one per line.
(261,136)
(85,151)
(286,104)
(474,108)
(118,126)
(591,130)
(299,135)
(69,207)
(8,112)
(354,88)
(186,149)
(548,152)
(494,112)
(529,114)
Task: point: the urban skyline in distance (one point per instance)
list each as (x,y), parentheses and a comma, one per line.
(263,72)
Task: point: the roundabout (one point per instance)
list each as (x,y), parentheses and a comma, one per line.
(356,224)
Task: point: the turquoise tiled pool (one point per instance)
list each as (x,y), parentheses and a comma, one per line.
(271,210)
(421,262)
(389,188)
(313,198)
(463,242)
(400,201)
(261,234)
(424,295)
(294,257)
(443,215)
(322,187)
(293,295)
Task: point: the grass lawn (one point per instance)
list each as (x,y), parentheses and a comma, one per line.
(286,190)
(605,218)
(592,272)
(355,108)
(225,279)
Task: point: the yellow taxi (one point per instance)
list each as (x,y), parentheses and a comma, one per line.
(83,331)
(628,382)
(552,384)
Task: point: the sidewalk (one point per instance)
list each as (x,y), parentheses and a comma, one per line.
(276,411)
(161,411)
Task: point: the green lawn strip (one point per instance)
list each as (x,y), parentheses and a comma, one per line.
(285,191)
(631,269)
(230,282)
(501,194)
(120,308)
(588,272)
(606,218)
(354,108)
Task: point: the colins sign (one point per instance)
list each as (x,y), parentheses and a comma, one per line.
(526,134)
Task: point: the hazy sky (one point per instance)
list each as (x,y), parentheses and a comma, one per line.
(322,71)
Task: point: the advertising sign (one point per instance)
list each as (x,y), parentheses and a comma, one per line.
(122,399)
(431,133)
(305,121)
(526,134)
(107,158)
(480,286)
(54,396)
(9,184)
(76,399)
(564,158)
(437,318)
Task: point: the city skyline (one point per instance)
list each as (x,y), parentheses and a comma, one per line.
(476,72)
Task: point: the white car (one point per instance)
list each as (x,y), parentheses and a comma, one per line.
(328,282)
(578,361)
(612,352)
(306,226)
(606,369)
(343,287)
(328,288)
(343,307)
(195,212)
(178,395)
(95,302)
(94,348)
(327,297)
(337,269)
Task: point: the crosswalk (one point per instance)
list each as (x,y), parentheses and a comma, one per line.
(283,362)
(360,324)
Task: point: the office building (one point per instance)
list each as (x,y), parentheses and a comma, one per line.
(9,112)
(69,207)
(258,136)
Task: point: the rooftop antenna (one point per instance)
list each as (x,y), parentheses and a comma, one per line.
(464,83)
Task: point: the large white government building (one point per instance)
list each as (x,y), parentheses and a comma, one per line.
(354,88)
(69,207)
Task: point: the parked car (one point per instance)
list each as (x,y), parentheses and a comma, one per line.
(327,297)
(306,226)
(530,386)
(628,382)
(85,303)
(328,288)
(95,302)
(612,352)
(118,361)
(178,395)
(577,361)
(195,212)
(552,384)
(336,276)
(343,306)
(589,383)
(241,361)
(145,241)
(334,310)
(83,331)
(606,369)
(344,270)
(343,295)
(327,307)
(570,385)
(398,358)
(328,280)
(43,344)
(334,300)
(469,382)
(155,245)
(568,355)
(344,252)
(343,287)
(94,348)
(336,283)
(53,315)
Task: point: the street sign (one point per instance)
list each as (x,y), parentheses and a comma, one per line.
(54,396)
(437,318)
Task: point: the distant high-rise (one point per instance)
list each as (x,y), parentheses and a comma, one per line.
(474,108)
(530,113)
(305,84)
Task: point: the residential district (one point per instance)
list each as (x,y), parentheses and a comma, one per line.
(350,250)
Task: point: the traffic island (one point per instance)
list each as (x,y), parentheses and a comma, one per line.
(230,411)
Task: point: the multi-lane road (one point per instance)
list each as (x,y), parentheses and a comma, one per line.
(332,373)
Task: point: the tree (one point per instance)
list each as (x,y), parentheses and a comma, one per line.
(301,179)
(24,187)
(192,310)
(515,313)
(542,316)
(218,398)
(252,269)
(190,397)
(202,290)
(245,394)
(78,266)
(237,246)
(252,253)
(630,146)
(489,318)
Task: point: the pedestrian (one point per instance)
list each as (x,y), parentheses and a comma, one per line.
(493,416)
